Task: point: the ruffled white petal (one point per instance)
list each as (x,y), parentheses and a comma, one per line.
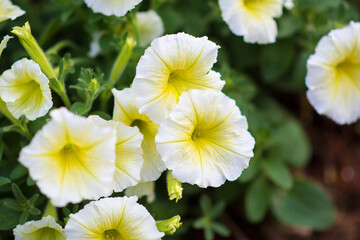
(252,19)
(123,215)
(333,76)
(112,7)
(9,11)
(142,189)
(25,89)
(4,43)
(46,228)
(172,65)
(126,112)
(129,159)
(71,158)
(205,145)
(150,26)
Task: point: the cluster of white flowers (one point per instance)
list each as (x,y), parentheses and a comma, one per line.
(173,117)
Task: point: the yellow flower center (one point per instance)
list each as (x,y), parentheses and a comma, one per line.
(197,134)
(138,123)
(180,81)
(112,234)
(349,68)
(70,154)
(30,92)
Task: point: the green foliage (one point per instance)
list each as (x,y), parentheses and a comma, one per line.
(257,200)
(208,221)
(304,205)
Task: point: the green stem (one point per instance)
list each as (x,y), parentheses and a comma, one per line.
(65,99)
(118,68)
(23,128)
(50,210)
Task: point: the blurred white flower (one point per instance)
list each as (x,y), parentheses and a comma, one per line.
(333,75)
(4,43)
(46,228)
(126,112)
(289,4)
(95,48)
(142,189)
(150,26)
(25,90)
(174,64)
(253,19)
(71,158)
(9,11)
(112,7)
(112,218)
(129,158)
(204,140)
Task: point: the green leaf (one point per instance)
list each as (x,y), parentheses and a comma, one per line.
(304,205)
(291,144)
(24,216)
(4,180)
(318,5)
(8,217)
(19,195)
(257,200)
(276,60)
(14,205)
(1,149)
(277,172)
(220,229)
(18,172)
(80,108)
(289,25)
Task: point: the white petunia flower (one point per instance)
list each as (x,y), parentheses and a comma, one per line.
(112,7)
(333,75)
(126,112)
(25,89)
(9,11)
(204,140)
(4,43)
(71,158)
(128,153)
(150,26)
(142,189)
(112,218)
(174,64)
(253,19)
(46,228)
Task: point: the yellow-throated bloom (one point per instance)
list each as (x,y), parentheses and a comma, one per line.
(9,11)
(333,76)
(112,7)
(174,64)
(142,189)
(25,90)
(204,140)
(126,112)
(4,43)
(112,219)
(150,26)
(46,228)
(129,158)
(71,158)
(253,19)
